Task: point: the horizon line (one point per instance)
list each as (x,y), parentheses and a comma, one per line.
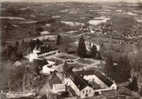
(82,1)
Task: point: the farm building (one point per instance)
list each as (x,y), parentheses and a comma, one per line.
(87,83)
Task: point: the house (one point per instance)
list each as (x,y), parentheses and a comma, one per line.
(94,76)
(56,84)
(48,68)
(80,86)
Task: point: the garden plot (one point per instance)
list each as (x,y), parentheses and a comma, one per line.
(85,61)
(64,56)
(57,61)
(78,67)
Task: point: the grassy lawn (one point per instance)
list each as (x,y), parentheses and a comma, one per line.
(85,61)
(58,62)
(4,75)
(66,57)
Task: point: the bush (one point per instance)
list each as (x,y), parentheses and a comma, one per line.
(81,51)
(15,78)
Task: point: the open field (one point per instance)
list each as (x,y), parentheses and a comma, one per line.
(120,22)
(74,12)
(115,27)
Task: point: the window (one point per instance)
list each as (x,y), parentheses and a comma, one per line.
(96,93)
(83,91)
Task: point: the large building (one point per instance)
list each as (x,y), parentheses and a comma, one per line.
(56,84)
(88,83)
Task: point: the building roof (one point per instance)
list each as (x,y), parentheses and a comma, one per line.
(102,77)
(78,81)
(54,80)
(44,32)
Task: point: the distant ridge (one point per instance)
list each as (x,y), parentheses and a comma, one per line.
(127,1)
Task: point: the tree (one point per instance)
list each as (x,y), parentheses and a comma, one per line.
(124,67)
(133,85)
(58,41)
(109,66)
(94,51)
(81,51)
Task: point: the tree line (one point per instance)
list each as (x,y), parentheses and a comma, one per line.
(118,70)
(17,50)
(83,53)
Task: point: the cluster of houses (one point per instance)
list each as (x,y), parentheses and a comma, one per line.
(88,83)
(84,83)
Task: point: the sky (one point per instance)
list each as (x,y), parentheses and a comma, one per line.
(129,1)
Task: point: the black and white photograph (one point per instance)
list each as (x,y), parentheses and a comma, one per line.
(70,49)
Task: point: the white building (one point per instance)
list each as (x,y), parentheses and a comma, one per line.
(48,68)
(79,86)
(87,83)
(44,33)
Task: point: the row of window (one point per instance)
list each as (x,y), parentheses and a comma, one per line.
(86,91)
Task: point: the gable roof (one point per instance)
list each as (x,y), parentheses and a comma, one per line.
(54,80)
(78,81)
(102,77)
